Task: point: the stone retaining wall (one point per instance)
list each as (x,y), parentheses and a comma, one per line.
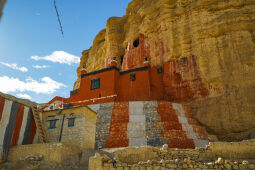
(54,152)
(104,114)
(232,150)
(219,155)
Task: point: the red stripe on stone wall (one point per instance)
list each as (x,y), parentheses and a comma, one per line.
(172,128)
(18,123)
(32,132)
(2,101)
(118,128)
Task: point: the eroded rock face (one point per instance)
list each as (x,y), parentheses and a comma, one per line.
(206,48)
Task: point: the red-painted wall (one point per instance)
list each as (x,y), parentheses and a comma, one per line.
(182,81)
(179,80)
(156,83)
(135,56)
(147,86)
(107,87)
(134,90)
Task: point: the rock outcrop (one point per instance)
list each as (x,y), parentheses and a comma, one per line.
(210,50)
(2,2)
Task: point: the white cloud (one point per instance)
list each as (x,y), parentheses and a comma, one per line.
(45,86)
(40,67)
(14,66)
(59,57)
(23,96)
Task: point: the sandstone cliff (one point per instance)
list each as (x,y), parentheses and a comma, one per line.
(2,2)
(216,38)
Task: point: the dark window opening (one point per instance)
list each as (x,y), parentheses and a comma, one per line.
(71,122)
(132,77)
(184,61)
(160,70)
(95,84)
(136,43)
(121,59)
(52,124)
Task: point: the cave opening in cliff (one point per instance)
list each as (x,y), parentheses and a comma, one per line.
(136,43)
(121,59)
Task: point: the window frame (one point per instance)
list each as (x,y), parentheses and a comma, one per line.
(68,122)
(92,84)
(55,124)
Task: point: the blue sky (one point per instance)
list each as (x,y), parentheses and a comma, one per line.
(36,62)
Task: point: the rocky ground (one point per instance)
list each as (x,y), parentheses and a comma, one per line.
(185,163)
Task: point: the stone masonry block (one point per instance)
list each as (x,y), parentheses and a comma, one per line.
(136,134)
(137,118)
(94,107)
(137,141)
(136,126)
(201,143)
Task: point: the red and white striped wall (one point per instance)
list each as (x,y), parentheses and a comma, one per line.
(153,123)
(17,126)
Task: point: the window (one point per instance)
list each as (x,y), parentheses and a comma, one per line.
(132,77)
(52,124)
(136,43)
(71,122)
(95,84)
